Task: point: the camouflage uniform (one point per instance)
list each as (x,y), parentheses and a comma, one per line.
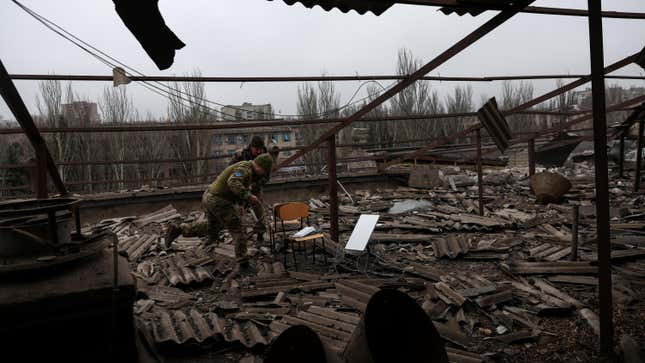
(222,202)
(256,186)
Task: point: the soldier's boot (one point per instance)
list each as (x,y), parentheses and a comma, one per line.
(172,232)
(241,256)
(212,235)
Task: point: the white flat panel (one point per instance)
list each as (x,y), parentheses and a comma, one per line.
(362,232)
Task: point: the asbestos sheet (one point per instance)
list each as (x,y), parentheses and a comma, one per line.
(362,233)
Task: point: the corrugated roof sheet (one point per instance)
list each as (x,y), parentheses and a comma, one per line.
(495,123)
(474,7)
(450,247)
(180,326)
(377,7)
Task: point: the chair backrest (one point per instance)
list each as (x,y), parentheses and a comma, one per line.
(291,210)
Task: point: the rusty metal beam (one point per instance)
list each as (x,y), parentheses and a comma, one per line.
(260,79)
(333,189)
(621,161)
(17,106)
(531,152)
(639,157)
(433,64)
(480,177)
(569,86)
(258,123)
(602,179)
(529,9)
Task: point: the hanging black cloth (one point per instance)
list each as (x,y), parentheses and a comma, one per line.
(143,19)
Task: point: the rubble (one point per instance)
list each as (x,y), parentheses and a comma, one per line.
(495,286)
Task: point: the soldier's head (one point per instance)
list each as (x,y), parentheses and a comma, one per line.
(263,164)
(274,151)
(257,145)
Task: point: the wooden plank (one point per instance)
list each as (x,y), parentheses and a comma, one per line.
(558,255)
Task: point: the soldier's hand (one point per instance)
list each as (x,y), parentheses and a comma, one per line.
(253,199)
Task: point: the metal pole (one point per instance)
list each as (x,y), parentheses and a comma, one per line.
(337,78)
(602,178)
(17,106)
(621,162)
(531,147)
(574,233)
(480,181)
(333,189)
(41,173)
(639,157)
(115,297)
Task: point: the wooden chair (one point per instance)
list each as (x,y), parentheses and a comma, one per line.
(294,214)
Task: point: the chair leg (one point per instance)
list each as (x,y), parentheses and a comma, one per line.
(313,251)
(293,253)
(284,254)
(324,250)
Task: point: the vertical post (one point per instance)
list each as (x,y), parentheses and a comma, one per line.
(41,172)
(639,157)
(574,233)
(621,161)
(333,189)
(480,182)
(602,178)
(77,219)
(531,150)
(52,228)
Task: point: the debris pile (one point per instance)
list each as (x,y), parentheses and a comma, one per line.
(498,286)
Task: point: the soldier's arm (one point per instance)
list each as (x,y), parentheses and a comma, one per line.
(237,183)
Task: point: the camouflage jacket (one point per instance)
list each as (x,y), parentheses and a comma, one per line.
(246,155)
(235,182)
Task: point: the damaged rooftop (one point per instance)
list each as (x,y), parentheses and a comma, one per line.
(403,226)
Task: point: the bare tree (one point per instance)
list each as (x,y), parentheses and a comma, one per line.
(50,107)
(117,108)
(307,107)
(416,99)
(188,105)
(514,95)
(461,101)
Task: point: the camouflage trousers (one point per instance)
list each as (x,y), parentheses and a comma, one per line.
(220,213)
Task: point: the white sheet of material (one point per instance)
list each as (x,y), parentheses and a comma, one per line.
(362,232)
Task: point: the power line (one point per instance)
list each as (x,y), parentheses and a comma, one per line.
(84,46)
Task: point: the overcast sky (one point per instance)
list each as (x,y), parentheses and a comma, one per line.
(261,38)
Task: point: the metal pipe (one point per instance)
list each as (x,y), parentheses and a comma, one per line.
(253,79)
(252,124)
(639,157)
(333,189)
(531,151)
(394,328)
(480,178)
(464,43)
(574,233)
(602,179)
(621,161)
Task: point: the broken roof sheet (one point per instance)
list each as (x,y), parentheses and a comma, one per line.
(377,7)
(473,7)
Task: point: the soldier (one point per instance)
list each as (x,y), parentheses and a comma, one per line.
(222,201)
(250,152)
